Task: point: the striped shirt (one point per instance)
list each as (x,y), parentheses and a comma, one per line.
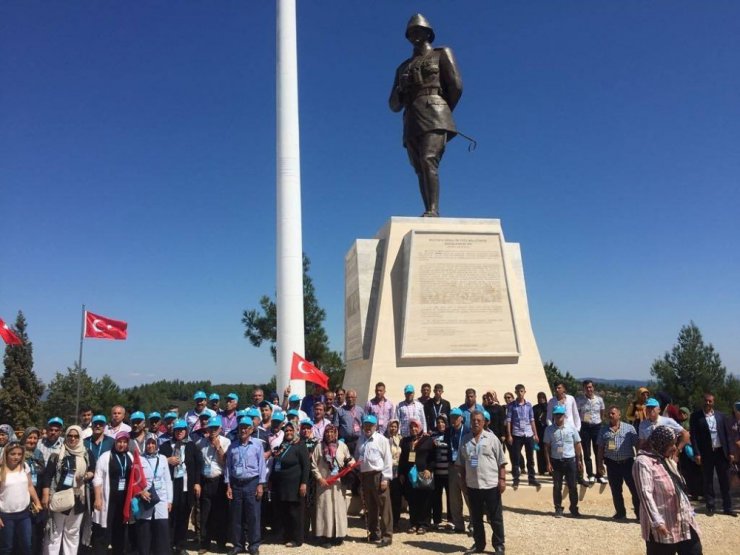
(618,445)
(660,501)
(441,455)
(405,412)
(520,416)
(383,410)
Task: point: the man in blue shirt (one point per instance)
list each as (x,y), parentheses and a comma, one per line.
(469,407)
(562,450)
(245,475)
(521,431)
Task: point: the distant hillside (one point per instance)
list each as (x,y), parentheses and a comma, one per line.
(617,382)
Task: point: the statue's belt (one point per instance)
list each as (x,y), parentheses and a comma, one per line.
(428,91)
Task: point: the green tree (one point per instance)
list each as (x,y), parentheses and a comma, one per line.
(691,368)
(261,326)
(21,388)
(553,374)
(62,396)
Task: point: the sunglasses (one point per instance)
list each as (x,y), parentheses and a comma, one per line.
(73,436)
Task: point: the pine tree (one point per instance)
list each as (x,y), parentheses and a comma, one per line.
(690,369)
(21,388)
(261,326)
(62,397)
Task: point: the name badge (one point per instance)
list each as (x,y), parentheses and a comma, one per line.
(587,418)
(34,479)
(356,427)
(612,445)
(454,455)
(122,484)
(69,479)
(474,461)
(179,471)
(412,457)
(334,470)
(207,470)
(277,466)
(559,451)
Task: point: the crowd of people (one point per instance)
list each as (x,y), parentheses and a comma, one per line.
(279,469)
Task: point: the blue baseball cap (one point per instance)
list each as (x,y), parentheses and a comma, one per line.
(214,397)
(138,415)
(307,422)
(294,398)
(293,412)
(253,413)
(180,424)
(99,418)
(214,422)
(455,412)
(199,395)
(246,421)
(370,419)
(241,413)
(278,416)
(408,389)
(560,409)
(487,415)
(170,415)
(55,421)
(233,396)
(154,416)
(652,402)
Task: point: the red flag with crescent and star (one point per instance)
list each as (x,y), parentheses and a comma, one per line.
(301,369)
(100,327)
(8,335)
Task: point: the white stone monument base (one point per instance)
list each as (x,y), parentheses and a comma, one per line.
(439,300)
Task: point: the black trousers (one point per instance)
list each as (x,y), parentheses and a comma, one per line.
(213,521)
(420,505)
(619,473)
(396,500)
(152,537)
(589,434)
(686,547)
(564,468)
(115,536)
(486,502)
(288,519)
(441,487)
(181,508)
(711,461)
(516,456)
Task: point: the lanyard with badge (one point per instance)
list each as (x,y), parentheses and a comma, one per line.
(69,476)
(456,444)
(156,480)
(277,467)
(124,466)
(611,444)
(355,421)
(559,444)
(180,468)
(475,454)
(34,472)
(208,461)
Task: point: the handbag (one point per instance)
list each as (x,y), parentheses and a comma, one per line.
(153,495)
(424,483)
(62,500)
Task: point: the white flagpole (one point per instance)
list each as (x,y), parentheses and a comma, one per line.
(290,327)
(79,367)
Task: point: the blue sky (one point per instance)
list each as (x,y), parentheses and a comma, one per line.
(137,169)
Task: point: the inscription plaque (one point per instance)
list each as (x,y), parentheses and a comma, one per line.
(457,301)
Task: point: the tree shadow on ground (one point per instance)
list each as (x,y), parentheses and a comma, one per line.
(521,511)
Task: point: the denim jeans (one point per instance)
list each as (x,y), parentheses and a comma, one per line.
(15,536)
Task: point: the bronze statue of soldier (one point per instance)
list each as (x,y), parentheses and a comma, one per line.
(427,87)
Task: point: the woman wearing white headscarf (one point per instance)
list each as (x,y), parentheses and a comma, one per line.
(7,435)
(152,524)
(65,471)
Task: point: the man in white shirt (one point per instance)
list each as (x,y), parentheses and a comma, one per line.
(592,411)
(116,424)
(568,402)
(376,473)
(654,419)
(213,505)
(193,415)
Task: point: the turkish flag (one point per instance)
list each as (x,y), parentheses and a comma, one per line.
(301,369)
(100,327)
(8,335)
(136,484)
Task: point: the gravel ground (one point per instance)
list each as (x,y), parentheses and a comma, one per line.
(531,528)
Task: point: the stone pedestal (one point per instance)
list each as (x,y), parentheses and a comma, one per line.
(438,300)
